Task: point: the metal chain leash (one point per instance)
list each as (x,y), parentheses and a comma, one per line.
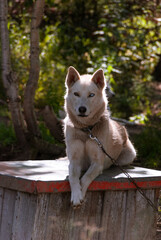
(130,179)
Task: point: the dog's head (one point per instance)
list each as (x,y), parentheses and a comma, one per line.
(85,97)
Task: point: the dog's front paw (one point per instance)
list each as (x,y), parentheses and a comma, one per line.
(76,198)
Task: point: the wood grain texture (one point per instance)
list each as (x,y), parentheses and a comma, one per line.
(140,218)
(113,215)
(7,213)
(39,224)
(24,214)
(107,214)
(1,203)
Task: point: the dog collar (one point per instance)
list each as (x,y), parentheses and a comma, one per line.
(88,129)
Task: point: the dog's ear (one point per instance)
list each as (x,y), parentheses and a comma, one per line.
(99,79)
(72,76)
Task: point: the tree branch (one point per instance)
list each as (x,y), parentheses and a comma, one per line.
(9,78)
(34,69)
(132,127)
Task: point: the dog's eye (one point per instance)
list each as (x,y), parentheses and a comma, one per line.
(91,95)
(76,94)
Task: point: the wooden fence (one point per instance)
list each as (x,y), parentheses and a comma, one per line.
(35,204)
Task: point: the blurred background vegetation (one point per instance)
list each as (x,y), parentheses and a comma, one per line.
(121,36)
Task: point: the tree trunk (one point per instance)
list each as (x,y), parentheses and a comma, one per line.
(54,125)
(9,77)
(11,86)
(34,69)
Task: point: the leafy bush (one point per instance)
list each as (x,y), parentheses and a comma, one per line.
(7,134)
(45,133)
(122,37)
(148,147)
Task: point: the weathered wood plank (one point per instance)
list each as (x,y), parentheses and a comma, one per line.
(93,228)
(63,222)
(113,215)
(24,214)
(57,221)
(1,202)
(104,216)
(8,206)
(140,219)
(85,221)
(39,227)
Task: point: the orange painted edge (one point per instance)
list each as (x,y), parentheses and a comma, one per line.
(33,186)
(64,186)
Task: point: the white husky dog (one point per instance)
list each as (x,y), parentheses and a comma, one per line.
(86,107)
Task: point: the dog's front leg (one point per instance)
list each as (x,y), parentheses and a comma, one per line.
(93,171)
(75,152)
(74,175)
(96,167)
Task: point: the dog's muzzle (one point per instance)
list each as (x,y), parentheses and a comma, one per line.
(82,110)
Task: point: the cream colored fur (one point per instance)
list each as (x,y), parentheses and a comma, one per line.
(86,105)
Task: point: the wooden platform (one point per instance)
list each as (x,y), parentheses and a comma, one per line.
(35,204)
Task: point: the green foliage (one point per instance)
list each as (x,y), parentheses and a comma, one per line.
(139,119)
(19,33)
(122,37)
(148,147)
(130,43)
(7,135)
(45,133)
(2,93)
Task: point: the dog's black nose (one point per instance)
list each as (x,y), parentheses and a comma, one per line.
(82,109)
